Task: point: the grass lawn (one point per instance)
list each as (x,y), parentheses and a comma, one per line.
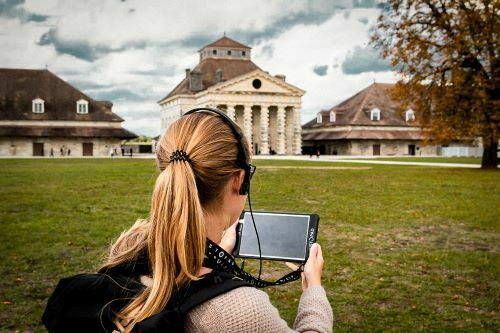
(406,248)
(461,160)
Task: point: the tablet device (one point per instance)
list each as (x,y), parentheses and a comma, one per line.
(283,236)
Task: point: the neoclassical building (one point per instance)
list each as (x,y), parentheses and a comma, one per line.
(266,107)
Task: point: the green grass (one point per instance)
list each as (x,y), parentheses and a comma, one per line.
(406,248)
(461,160)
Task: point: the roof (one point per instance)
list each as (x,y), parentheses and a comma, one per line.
(66,131)
(356,109)
(226,42)
(19,87)
(363,135)
(231,68)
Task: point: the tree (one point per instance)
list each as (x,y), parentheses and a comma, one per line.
(447,52)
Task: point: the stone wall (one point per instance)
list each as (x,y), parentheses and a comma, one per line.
(365,147)
(389,147)
(18,146)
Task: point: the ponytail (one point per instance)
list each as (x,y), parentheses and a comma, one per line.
(176,242)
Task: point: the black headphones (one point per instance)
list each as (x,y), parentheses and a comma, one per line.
(242,158)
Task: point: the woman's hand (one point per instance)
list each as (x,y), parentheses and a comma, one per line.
(311,276)
(228,240)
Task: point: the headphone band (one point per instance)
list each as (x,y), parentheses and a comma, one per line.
(242,158)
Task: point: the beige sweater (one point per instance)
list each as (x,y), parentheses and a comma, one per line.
(248,309)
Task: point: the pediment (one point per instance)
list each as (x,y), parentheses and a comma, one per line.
(249,83)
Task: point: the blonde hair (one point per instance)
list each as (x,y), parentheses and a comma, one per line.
(174,236)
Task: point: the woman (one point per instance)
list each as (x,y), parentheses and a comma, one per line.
(197,195)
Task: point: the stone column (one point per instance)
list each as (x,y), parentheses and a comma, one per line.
(281,130)
(247,124)
(264,129)
(231,112)
(297,131)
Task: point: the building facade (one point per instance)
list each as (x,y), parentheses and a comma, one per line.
(42,115)
(266,107)
(368,123)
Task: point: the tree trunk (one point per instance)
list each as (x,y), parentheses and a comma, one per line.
(489,160)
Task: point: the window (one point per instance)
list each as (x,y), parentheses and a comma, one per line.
(38,105)
(82,107)
(243,53)
(257,83)
(229,52)
(214,51)
(410,115)
(333,117)
(375,114)
(319,118)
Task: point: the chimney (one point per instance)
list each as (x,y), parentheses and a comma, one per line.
(187,72)
(280,77)
(195,81)
(218,76)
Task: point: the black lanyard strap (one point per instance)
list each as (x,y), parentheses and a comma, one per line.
(217,258)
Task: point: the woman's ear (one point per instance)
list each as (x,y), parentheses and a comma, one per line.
(237,181)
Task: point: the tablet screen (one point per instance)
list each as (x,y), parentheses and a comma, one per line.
(282,236)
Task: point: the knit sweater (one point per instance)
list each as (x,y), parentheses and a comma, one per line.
(248,309)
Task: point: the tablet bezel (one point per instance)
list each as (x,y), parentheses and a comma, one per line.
(312,232)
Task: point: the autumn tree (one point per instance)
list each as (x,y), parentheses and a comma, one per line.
(447,52)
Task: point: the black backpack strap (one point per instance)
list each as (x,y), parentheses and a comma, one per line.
(217,284)
(172,318)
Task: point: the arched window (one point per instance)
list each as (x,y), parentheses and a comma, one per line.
(333,116)
(375,114)
(319,118)
(410,115)
(82,106)
(38,105)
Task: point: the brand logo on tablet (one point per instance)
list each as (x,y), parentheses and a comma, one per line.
(310,239)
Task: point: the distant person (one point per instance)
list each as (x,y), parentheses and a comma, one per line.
(62,151)
(123,151)
(131,152)
(51,152)
(69,152)
(318,153)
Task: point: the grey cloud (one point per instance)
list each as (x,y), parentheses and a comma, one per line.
(138,114)
(364,20)
(85,85)
(321,70)
(79,49)
(364,60)
(268,50)
(13,9)
(364,3)
(83,49)
(164,71)
(119,94)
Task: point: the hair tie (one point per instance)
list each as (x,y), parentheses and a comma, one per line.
(179,155)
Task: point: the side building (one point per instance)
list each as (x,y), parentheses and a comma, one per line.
(266,107)
(42,115)
(367,123)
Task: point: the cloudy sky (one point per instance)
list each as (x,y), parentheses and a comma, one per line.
(133,52)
